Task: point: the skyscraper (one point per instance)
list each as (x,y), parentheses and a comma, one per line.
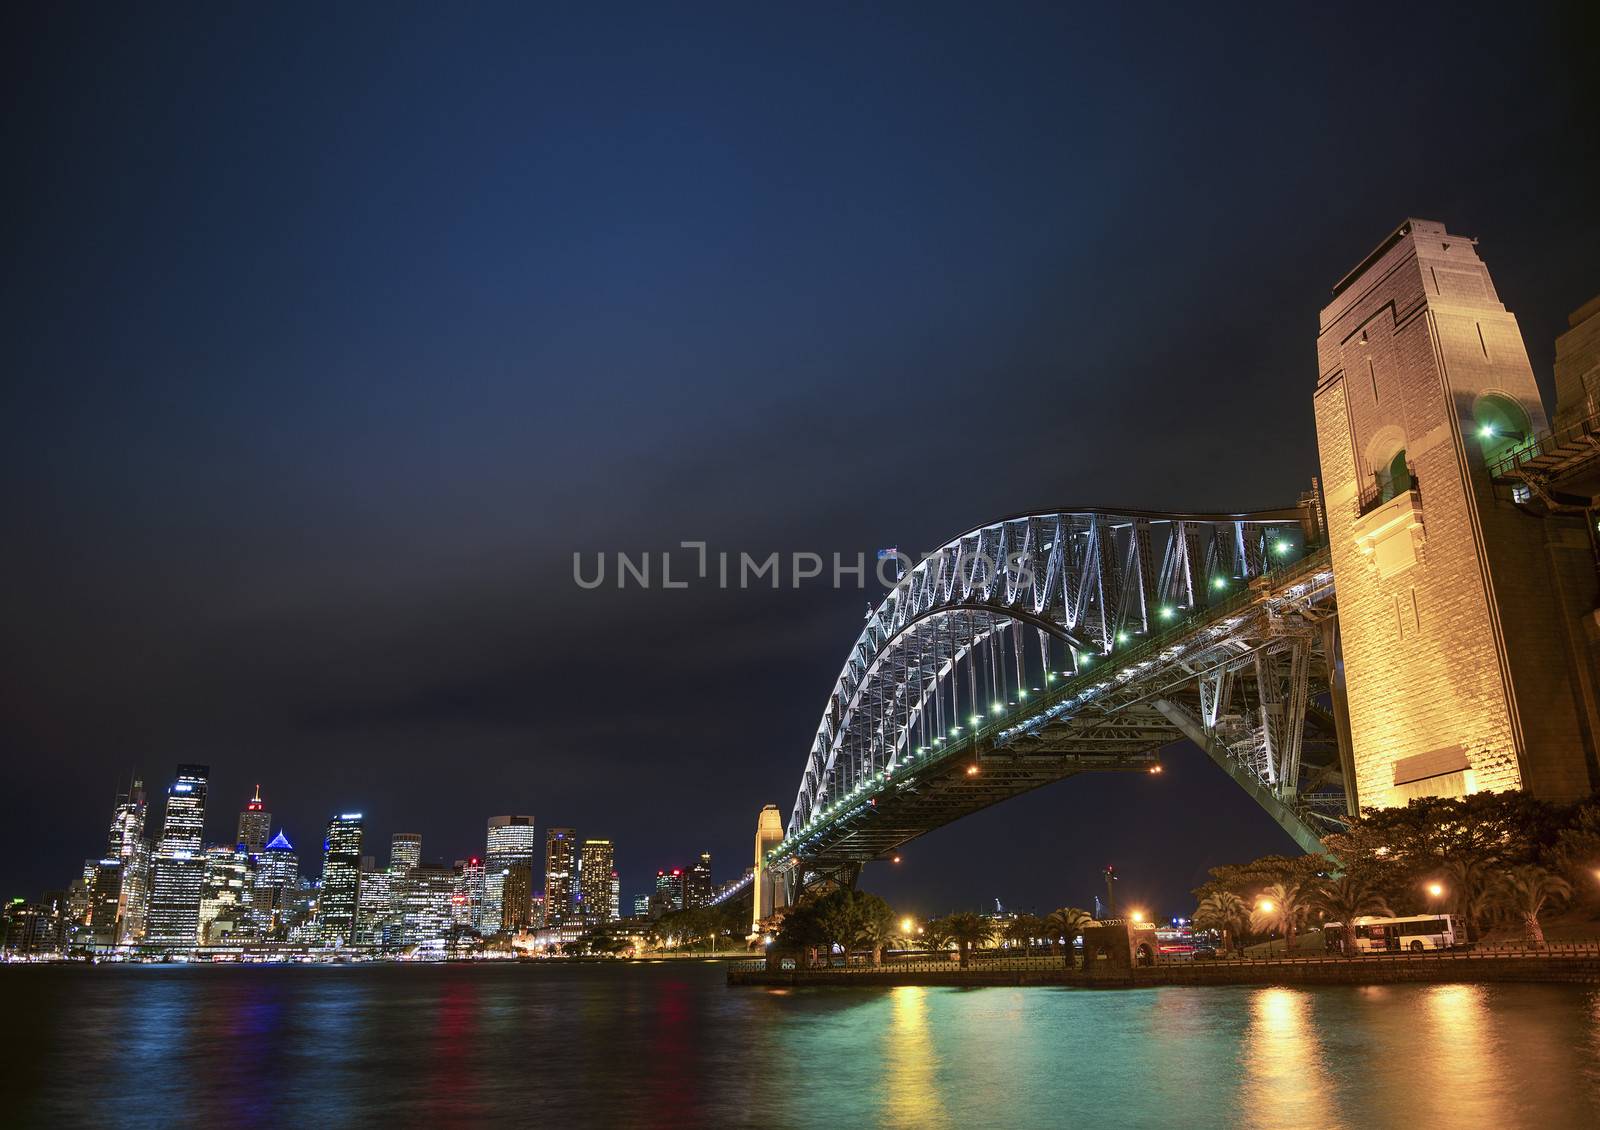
(274,885)
(341,881)
(178,870)
(511,840)
(697,884)
(428,905)
(470,912)
(127,843)
(405,850)
(226,913)
(516,899)
(595,864)
(255,824)
(669,892)
(560,867)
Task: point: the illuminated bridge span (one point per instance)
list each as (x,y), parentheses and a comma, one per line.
(1055,643)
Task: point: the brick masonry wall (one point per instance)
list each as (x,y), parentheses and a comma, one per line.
(1463,647)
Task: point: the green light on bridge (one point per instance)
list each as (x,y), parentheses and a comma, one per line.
(1168,613)
(1122,637)
(1219,583)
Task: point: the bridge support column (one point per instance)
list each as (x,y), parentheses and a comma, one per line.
(1289,820)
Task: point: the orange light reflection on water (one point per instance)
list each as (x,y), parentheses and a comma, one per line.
(910,1064)
(1285,1074)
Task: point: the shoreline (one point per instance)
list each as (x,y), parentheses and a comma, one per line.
(1579,967)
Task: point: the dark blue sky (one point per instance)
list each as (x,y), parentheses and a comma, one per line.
(327,337)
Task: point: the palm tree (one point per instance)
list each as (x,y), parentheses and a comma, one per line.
(1226,913)
(1523,891)
(876,927)
(1281,907)
(1066,925)
(969,931)
(1345,899)
(1473,885)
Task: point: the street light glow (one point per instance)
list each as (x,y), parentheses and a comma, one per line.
(1265,906)
(906,925)
(1436,889)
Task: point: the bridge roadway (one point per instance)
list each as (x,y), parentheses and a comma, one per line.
(1239,676)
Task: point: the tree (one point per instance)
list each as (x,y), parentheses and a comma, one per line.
(1282,907)
(1067,925)
(969,931)
(1524,890)
(1345,899)
(875,925)
(1577,852)
(1226,913)
(800,933)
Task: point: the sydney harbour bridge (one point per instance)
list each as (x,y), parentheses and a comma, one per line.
(1046,644)
(1061,642)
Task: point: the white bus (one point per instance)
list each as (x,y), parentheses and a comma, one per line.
(1411,934)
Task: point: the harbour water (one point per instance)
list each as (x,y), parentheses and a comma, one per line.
(671,1044)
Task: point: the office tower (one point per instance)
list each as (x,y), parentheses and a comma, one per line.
(470,904)
(178,869)
(376,918)
(595,865)
(510,840)
(697,884)
(405,850)
(516,901)
(669,891)
(428,914)
(255,824)
(226,913)
(341,881)
(127,843)
(641,906)
(560,868)
(103,919)
(614,889)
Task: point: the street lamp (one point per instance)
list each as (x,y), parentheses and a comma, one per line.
(1265,906)
(1138,916)
(906,926)
(1435,889)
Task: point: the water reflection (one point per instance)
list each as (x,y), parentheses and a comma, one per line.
(1286,1078)
(1463,1081)
(910,1081)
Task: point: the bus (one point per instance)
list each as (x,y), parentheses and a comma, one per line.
(1411,934)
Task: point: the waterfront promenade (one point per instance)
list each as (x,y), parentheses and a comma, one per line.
(1572,964)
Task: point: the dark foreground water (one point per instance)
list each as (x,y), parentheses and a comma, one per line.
(670,1044)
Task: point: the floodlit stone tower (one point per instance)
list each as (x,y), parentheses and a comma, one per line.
(1454,634)
(770,895)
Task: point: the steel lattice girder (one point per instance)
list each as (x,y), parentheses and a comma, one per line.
(953,630)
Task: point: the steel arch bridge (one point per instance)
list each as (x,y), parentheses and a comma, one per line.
(1052,643)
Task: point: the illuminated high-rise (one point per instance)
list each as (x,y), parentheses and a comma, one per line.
(127,843)
(226,913)
(516,899)
(560,869)
(341,881)
(405,850)
(469,906)
(178,869)
(595,868)
(697,884)
(255,824)
(511,840)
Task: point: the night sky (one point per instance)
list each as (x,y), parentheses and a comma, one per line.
(329,335)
